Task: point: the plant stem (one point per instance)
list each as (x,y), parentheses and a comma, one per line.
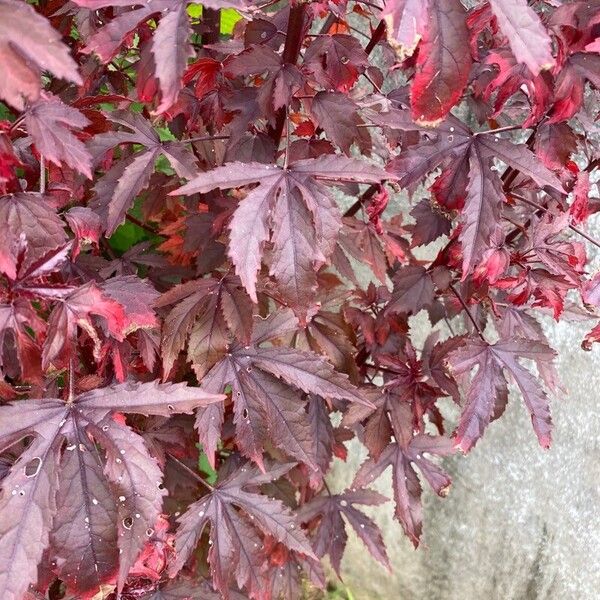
(370,191)
(71,381)
(291,52)
(366,195)
(142,225)
(191,473)
(375,86)
(498,130)
(376,37)
(287,138)
(543,209)
(382,369)
(466,309)
(206,138)
(16,124)
(42,174)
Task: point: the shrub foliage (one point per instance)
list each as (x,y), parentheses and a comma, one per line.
(206,291)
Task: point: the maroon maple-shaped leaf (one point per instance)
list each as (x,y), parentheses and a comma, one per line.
(434,358)
(451,143)
(28,46)
(338,116)
(443,62)
(327,333)
(330,537)
(413,290)
(208,312)
(559,256)
(267,390)
(525,33)
(20,322)
(288,580)
(106,41)
(237,513)
(281,82)
(482,211)
(136,296)
(512,78)
(406,453)
(171,49)
(117,189)
(76,310)
(335,61)
(488,391)
(169,46)
(430,223)
(29,216)
(86,226)
(85,478)
(49,122)
(483,197)
(296,206)
(185,589)
(570,84)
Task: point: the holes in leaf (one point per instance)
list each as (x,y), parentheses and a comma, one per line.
(170,407)
(245,413)
(128,523)
(32,468)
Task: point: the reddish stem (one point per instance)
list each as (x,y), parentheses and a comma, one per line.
(291,52)
(468,312)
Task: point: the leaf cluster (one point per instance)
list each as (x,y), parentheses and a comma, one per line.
(217,223)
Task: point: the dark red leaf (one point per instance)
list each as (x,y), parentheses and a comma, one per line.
(443,63)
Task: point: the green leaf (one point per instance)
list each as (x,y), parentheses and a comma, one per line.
(194,10)
(205,468)
(127,235)
(229,17)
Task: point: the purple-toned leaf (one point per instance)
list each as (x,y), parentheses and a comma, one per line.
(525,33)
(28,46)
(171,50)
(443,63)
